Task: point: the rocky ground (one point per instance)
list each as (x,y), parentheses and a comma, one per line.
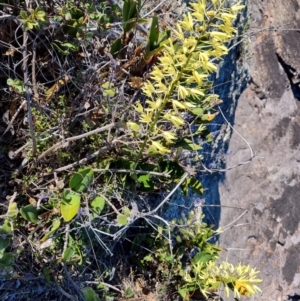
(265,117)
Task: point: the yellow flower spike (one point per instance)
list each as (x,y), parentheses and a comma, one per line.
(226,28)
(169,71)
(211,13)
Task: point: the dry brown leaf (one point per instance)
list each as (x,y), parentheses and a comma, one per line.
(56,87)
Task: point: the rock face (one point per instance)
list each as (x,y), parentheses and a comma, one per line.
(263,106)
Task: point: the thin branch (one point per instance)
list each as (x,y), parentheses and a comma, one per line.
(34,84)
(252,155)
(65,143)
(10,123)
(26,83)
(166,198)
(145,172)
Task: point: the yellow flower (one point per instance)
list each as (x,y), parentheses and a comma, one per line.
(156,74)
(175,119)
(146,117)
(160,148)
(228,18)
(139,107)
(219,36)
(169,136)
(237,8)
(199,8)
(148,89)
(160,88)
(187,23)
(189,45)
(179,34)
(154,105)
(182,92)
(169,47)
(166,60)
(244,287)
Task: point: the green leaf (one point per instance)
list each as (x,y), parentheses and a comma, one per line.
(196,186)
(125,11)
(4,243)
(187,144)
(68,254)
(6,260)
(184,293)
(89,294)
(10,81)
(41,15)
(122,219)
(55,226)
(133,126)
(145,183)
(131,15)
(108,89)
(201,258)
(177,171)
(163,36)
(81,180)
(116,47)
(29,213)
(197,111)
(46,274)
(98,204)
(153,35)
(128,293)
(23,15)
(126,211)
(69,205)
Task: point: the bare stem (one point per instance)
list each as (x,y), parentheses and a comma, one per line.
(26,83)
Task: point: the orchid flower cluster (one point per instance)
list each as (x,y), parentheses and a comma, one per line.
(182,73)
(241,279)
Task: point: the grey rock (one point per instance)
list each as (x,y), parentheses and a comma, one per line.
(264,110)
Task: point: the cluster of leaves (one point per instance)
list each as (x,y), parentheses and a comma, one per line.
(132,123)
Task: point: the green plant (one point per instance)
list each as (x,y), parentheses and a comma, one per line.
(35,19)
(125,108)
(16,84)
